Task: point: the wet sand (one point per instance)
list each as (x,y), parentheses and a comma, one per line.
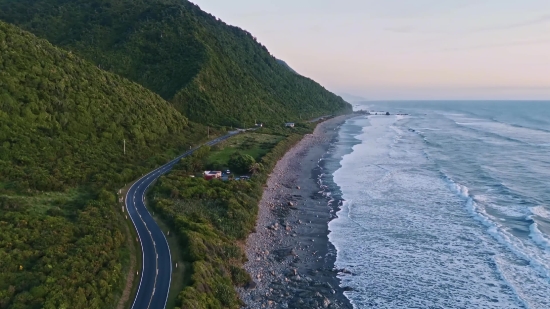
(289,256)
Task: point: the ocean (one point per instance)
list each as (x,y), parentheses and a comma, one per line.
(446,207)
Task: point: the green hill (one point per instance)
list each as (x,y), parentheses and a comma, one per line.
(286,66)
(63,121)
(62,126)
(212,72)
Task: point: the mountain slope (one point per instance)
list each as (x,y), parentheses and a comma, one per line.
(212,72)
(62,125)
(286,66)
(63,120)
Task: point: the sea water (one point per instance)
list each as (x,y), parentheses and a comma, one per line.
(446,207)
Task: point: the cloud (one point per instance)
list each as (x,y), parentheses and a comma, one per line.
(316,29)
(532,22)
(420,9)
(400,29)
(412,29)
(506,44)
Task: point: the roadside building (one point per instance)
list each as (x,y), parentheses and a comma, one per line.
(209,175)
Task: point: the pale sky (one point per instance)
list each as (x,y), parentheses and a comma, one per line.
(406,49)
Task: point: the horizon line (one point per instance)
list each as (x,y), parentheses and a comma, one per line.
(456,100)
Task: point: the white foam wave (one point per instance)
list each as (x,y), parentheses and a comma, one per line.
(522,134)
(538,260)
(505,274)
(428,129)
(538,237)
(541,212)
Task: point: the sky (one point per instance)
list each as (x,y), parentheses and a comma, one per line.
(406,49)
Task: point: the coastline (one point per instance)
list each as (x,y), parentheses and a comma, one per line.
(290,257)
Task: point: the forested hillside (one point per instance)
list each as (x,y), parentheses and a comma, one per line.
(64,120)
(212,72)
(62,125)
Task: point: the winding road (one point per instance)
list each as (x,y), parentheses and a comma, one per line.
(156,272)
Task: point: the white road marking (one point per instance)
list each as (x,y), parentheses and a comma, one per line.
(158,171)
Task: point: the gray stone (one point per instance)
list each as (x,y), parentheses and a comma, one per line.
(296,278)
(251,285)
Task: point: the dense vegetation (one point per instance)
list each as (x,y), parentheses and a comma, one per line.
(213,218)
(63,121)
(69,257)
(62,125)
(212,72)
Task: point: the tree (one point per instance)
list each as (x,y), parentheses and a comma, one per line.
(240,163)
(255,168)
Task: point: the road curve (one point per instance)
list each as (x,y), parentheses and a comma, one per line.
(156,271)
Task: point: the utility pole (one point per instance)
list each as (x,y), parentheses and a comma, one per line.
(124,140)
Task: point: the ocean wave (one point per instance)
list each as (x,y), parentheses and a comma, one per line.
(538,237)
(505,275)
(541,212)
(524,135)
(540,261)
(523,126)
(445,208)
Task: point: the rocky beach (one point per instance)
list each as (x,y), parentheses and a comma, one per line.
(289,255)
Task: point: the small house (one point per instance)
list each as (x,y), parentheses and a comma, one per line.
(209,175)
(289,124)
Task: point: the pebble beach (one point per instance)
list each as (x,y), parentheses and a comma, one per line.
(289,255)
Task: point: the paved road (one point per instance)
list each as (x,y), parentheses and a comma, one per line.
(319,118)
(156,272)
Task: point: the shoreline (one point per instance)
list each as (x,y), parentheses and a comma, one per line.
(290,257)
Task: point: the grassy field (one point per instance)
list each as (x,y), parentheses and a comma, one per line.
(253,144)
